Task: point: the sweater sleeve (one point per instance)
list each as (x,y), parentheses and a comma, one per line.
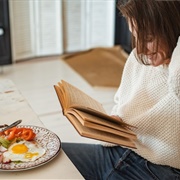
(174,72)
(129,65)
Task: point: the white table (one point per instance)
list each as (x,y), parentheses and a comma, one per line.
(13,106)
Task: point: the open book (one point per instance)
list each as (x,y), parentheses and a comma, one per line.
(90,119)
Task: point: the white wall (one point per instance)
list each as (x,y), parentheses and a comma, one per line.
(53,27)
(88,24)
(36,28)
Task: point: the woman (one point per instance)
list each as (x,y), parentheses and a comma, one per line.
(148,98)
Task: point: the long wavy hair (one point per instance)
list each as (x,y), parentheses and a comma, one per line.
(156,18)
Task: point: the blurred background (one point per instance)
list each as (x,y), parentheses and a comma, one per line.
(37,28)
(34,34)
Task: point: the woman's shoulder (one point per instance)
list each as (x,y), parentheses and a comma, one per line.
(132,59)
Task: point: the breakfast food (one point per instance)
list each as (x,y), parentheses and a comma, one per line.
(18,144)
(24,151)
(23,133)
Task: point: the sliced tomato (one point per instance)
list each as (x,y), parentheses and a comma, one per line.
(11,134)
(27,134)
(24,133)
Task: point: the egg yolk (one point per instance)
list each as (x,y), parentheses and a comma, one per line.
(30,155)
(20,149)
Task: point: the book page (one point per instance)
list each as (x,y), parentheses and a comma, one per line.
(101,127)
(61,95)
(100,135)
(109,130)
(105,122)
(76,97)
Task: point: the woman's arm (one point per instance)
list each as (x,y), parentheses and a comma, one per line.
(174,72)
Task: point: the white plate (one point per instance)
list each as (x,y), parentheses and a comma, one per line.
(47,139)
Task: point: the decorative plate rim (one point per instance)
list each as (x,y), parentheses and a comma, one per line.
(42,160)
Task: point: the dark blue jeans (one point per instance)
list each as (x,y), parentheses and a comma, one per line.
(96,162)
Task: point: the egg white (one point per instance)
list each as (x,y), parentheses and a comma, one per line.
(32,152)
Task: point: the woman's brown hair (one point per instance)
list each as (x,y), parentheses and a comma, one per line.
(159,19)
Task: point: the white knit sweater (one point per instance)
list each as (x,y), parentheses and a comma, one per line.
(149,98)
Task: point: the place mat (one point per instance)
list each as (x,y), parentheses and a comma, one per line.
(99,66)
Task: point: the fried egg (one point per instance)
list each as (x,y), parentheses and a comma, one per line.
(24,151)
